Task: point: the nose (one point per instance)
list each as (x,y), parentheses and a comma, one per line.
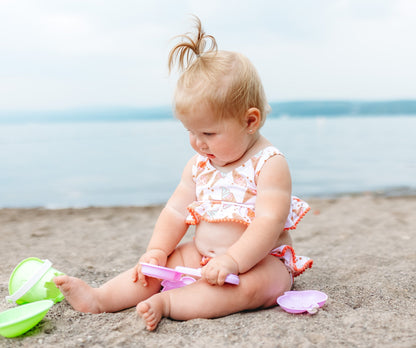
(200,144)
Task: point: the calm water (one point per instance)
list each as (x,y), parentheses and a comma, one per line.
(80,164)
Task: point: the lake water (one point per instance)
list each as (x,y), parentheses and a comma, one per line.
(78,164)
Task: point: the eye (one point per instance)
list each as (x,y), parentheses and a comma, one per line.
(208,134)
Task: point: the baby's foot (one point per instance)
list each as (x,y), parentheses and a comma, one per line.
(151,311)
(79,294)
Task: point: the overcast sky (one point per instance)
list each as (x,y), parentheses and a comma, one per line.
(57,54)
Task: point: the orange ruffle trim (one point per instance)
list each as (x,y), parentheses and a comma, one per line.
(297,264)
(196,217)
(300,217)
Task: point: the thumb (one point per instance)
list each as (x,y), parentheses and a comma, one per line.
(153,261)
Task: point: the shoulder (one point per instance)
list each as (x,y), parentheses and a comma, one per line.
(276,163)
(264,149)
(195,166)
(187,179)
(267,156)
(191,164)
(271,151)
(275,170)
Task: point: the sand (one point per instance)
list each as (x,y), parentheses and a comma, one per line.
(364,251)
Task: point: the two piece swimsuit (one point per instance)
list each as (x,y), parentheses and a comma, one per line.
(231,197)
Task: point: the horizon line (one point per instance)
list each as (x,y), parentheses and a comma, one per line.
(166,106)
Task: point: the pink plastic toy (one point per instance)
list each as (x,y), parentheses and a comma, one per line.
(169,284)
(174,278)
(302,301)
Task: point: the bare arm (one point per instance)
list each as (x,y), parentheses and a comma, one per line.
(170,226)
(272,209)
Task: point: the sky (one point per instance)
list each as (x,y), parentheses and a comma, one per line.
(60,54)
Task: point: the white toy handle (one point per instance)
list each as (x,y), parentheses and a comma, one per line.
(31,282)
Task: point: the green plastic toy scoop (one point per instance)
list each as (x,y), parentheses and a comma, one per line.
(16,321)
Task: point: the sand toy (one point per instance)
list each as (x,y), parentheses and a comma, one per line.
(16,321)
(31,281)
(302,301)
(174,278)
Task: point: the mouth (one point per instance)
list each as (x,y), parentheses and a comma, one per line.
(210,156)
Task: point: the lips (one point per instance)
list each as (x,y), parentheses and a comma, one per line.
(210,156)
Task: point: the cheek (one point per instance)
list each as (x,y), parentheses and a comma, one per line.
(192,141)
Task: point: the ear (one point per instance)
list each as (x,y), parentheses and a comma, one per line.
(253,120)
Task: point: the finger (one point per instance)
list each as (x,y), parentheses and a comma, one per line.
(134,274)
(139,276)
(212,277)
(204,274)
(221,279)
(153,261)
(143,279)
(212,281)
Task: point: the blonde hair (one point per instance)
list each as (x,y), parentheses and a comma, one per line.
(225,81)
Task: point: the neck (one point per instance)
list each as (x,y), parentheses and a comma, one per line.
(256,143)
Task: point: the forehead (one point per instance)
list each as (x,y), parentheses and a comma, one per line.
(200,115)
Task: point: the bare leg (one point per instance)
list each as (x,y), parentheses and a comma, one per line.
(117,294)
(120,292)
(258,288)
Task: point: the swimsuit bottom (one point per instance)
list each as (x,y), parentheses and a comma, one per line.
(296,265)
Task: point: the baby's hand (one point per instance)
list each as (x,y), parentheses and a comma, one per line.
(217,269)
(154,257)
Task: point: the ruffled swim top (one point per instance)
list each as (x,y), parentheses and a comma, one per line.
(231,196)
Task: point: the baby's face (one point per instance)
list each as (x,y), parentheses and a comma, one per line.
(223,140)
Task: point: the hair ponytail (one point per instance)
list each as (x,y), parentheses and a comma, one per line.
(191,48)
(225,81)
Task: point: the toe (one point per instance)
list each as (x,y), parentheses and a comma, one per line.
(142,308)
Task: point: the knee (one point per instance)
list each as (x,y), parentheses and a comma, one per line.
(256,293)
(251,290)
(262,291)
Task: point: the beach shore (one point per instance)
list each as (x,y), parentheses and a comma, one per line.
(364,252)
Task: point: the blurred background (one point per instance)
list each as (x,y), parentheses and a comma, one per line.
(85,95)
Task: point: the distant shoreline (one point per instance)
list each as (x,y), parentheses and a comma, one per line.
(290,108)
(391,193)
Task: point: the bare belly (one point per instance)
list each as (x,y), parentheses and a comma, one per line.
(214,238)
